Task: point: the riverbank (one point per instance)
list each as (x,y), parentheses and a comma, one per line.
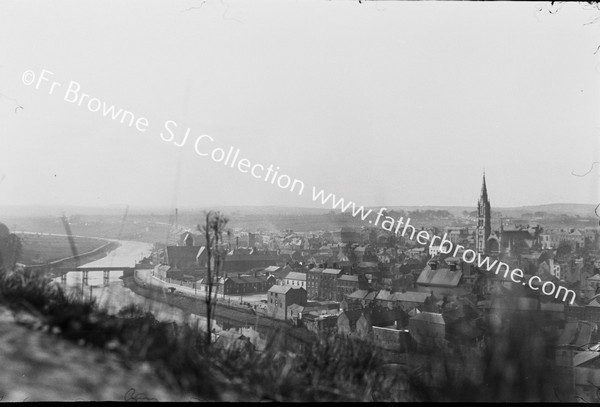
(233,316)
(76,261)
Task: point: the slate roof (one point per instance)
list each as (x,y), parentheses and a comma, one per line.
(384,295)
(237,280)
(346,277)
(353,315)
(296,308)
(187,254)
(280,289)
(367,264)
(440,277)
(358,294)
(430,317)
(594,303)
(254,280)
(294,275)
(371,296)
(410,296)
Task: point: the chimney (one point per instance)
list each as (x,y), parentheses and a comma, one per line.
(453,266)
(433,264)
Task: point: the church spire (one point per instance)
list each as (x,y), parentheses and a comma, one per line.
(484,188)
(484,220)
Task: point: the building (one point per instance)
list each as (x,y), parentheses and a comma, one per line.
(347,320)
(241,263)
(281,297)
(244,285)
(328,282)
(293,278)
(591,311)
(441,281)
(320,324)
(404,300)
(360,322)
(550,239)
(186,260)
(437,249)
(321,283)
(484,222)
(360,299)
(594,282)
(313,282)
(428,330)
(347,284)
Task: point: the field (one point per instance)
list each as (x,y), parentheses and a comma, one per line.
(41,249)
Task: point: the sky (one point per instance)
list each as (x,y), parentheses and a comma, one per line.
(384,103)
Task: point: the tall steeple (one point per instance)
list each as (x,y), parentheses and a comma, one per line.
(484,194)
(484,221)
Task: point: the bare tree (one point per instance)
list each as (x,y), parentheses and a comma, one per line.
(213,229)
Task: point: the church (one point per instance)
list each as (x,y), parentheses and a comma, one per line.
(504,242)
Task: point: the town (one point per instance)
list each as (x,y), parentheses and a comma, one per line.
(407,298)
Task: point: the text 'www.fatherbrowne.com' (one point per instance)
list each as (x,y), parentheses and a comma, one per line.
(208,147)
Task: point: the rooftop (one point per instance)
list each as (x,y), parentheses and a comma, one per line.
(280,289)
(294,275)
(440,277)
(430,317)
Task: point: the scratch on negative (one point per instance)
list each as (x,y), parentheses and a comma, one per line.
(194,8)
(590,170)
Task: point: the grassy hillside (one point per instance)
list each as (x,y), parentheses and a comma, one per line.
(41,249)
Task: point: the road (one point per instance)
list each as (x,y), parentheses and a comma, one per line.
(252,299)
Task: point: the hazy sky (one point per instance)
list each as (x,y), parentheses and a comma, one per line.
(384,103)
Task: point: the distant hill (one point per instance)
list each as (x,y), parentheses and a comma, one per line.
(571,209)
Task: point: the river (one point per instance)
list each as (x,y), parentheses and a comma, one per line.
(116,296)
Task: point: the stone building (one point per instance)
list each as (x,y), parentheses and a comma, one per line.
(280,297)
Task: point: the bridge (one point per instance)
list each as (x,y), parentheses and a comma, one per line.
(62,272)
